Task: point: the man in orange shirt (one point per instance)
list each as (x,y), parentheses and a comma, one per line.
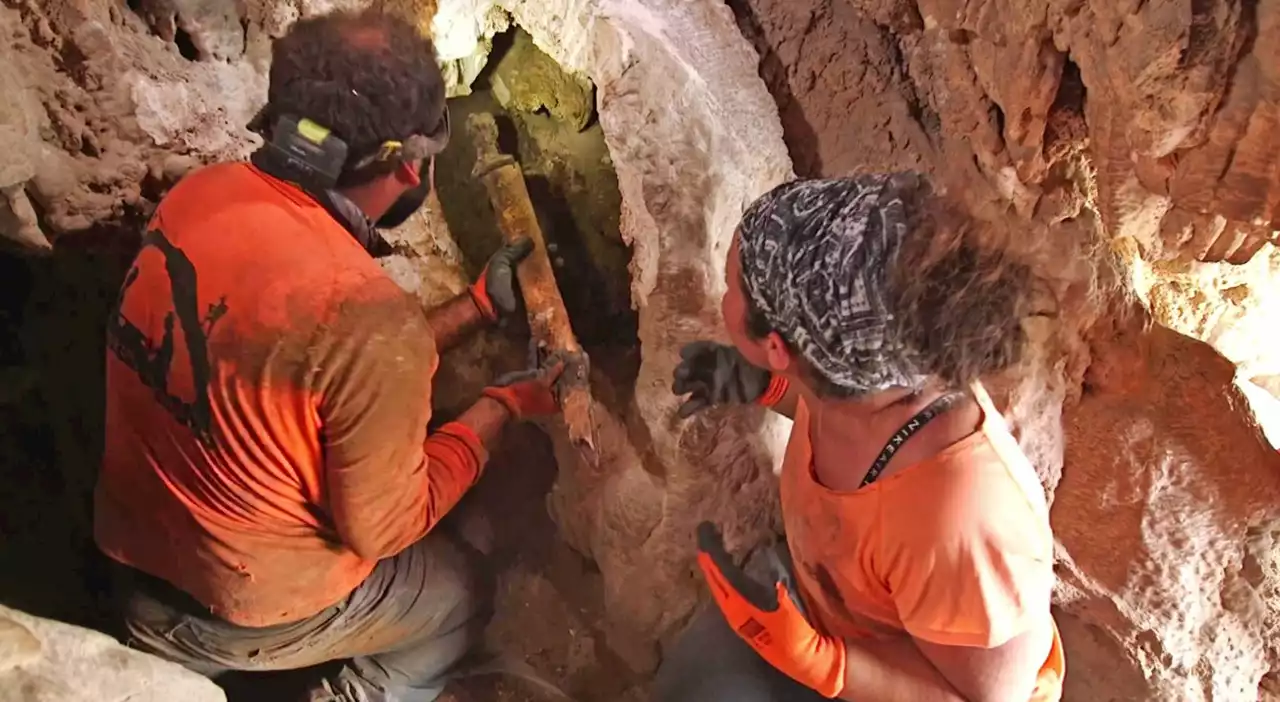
(269,490)
(918,541)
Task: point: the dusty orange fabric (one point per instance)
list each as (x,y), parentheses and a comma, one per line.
(268,391)
(775,391)
(956,550)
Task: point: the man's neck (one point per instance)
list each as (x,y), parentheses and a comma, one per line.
(368,200)
(848,435)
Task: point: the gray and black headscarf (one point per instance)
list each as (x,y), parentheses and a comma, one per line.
(817,258)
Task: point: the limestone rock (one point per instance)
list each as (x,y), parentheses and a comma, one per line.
(118,101)
(527,80)
(1187,91)
(829,66)
(1232,307)
(1266,409)
(463,31)
(18,646)
(1181,104)
(1167,516)
(1182,162)
(210,29)
(18,220)
(47,661)
(21,120)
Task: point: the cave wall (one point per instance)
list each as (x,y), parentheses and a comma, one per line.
(1178,96)
(1231,306)
(1132,145)
(1167,525)
(1128,142)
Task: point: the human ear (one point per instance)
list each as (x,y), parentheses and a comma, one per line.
(777,353)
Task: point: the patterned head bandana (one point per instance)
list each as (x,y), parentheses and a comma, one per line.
(816,260)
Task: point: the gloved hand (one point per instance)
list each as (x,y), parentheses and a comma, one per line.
(770,621)
(496,292)
(716,374)
(529,393)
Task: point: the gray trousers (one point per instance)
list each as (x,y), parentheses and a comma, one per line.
(710,663)
(396,636)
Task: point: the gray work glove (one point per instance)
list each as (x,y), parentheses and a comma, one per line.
(497,292)
(775,567)
(716,374)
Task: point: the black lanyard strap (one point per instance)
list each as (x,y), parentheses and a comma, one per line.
(916,423)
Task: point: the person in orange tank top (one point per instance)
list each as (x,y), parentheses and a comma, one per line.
(270,493)
(918,564)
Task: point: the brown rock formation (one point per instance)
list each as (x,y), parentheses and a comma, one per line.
(112,114)
(1181,105)
(1168,515)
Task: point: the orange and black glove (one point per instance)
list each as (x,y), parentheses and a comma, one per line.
(769,619)
(714,374)
(496,291)
(529,393)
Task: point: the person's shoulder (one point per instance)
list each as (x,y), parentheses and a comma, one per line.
(971,513)
(981,489)
(231,206)
(965,479)
(363,297)
(212,177)
(239,190)
(1006,460)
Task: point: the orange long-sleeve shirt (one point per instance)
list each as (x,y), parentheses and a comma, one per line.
(268,391)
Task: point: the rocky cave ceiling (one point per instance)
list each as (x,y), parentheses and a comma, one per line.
(1133,143)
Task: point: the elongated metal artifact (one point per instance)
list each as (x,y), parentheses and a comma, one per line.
(548,318)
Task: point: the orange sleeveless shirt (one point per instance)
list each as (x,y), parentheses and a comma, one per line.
(956,550)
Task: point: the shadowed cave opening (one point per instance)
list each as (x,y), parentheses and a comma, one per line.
(53,312)
(546,120)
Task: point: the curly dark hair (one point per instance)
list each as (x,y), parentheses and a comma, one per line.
(960,291)
(367,76)
(957,291)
